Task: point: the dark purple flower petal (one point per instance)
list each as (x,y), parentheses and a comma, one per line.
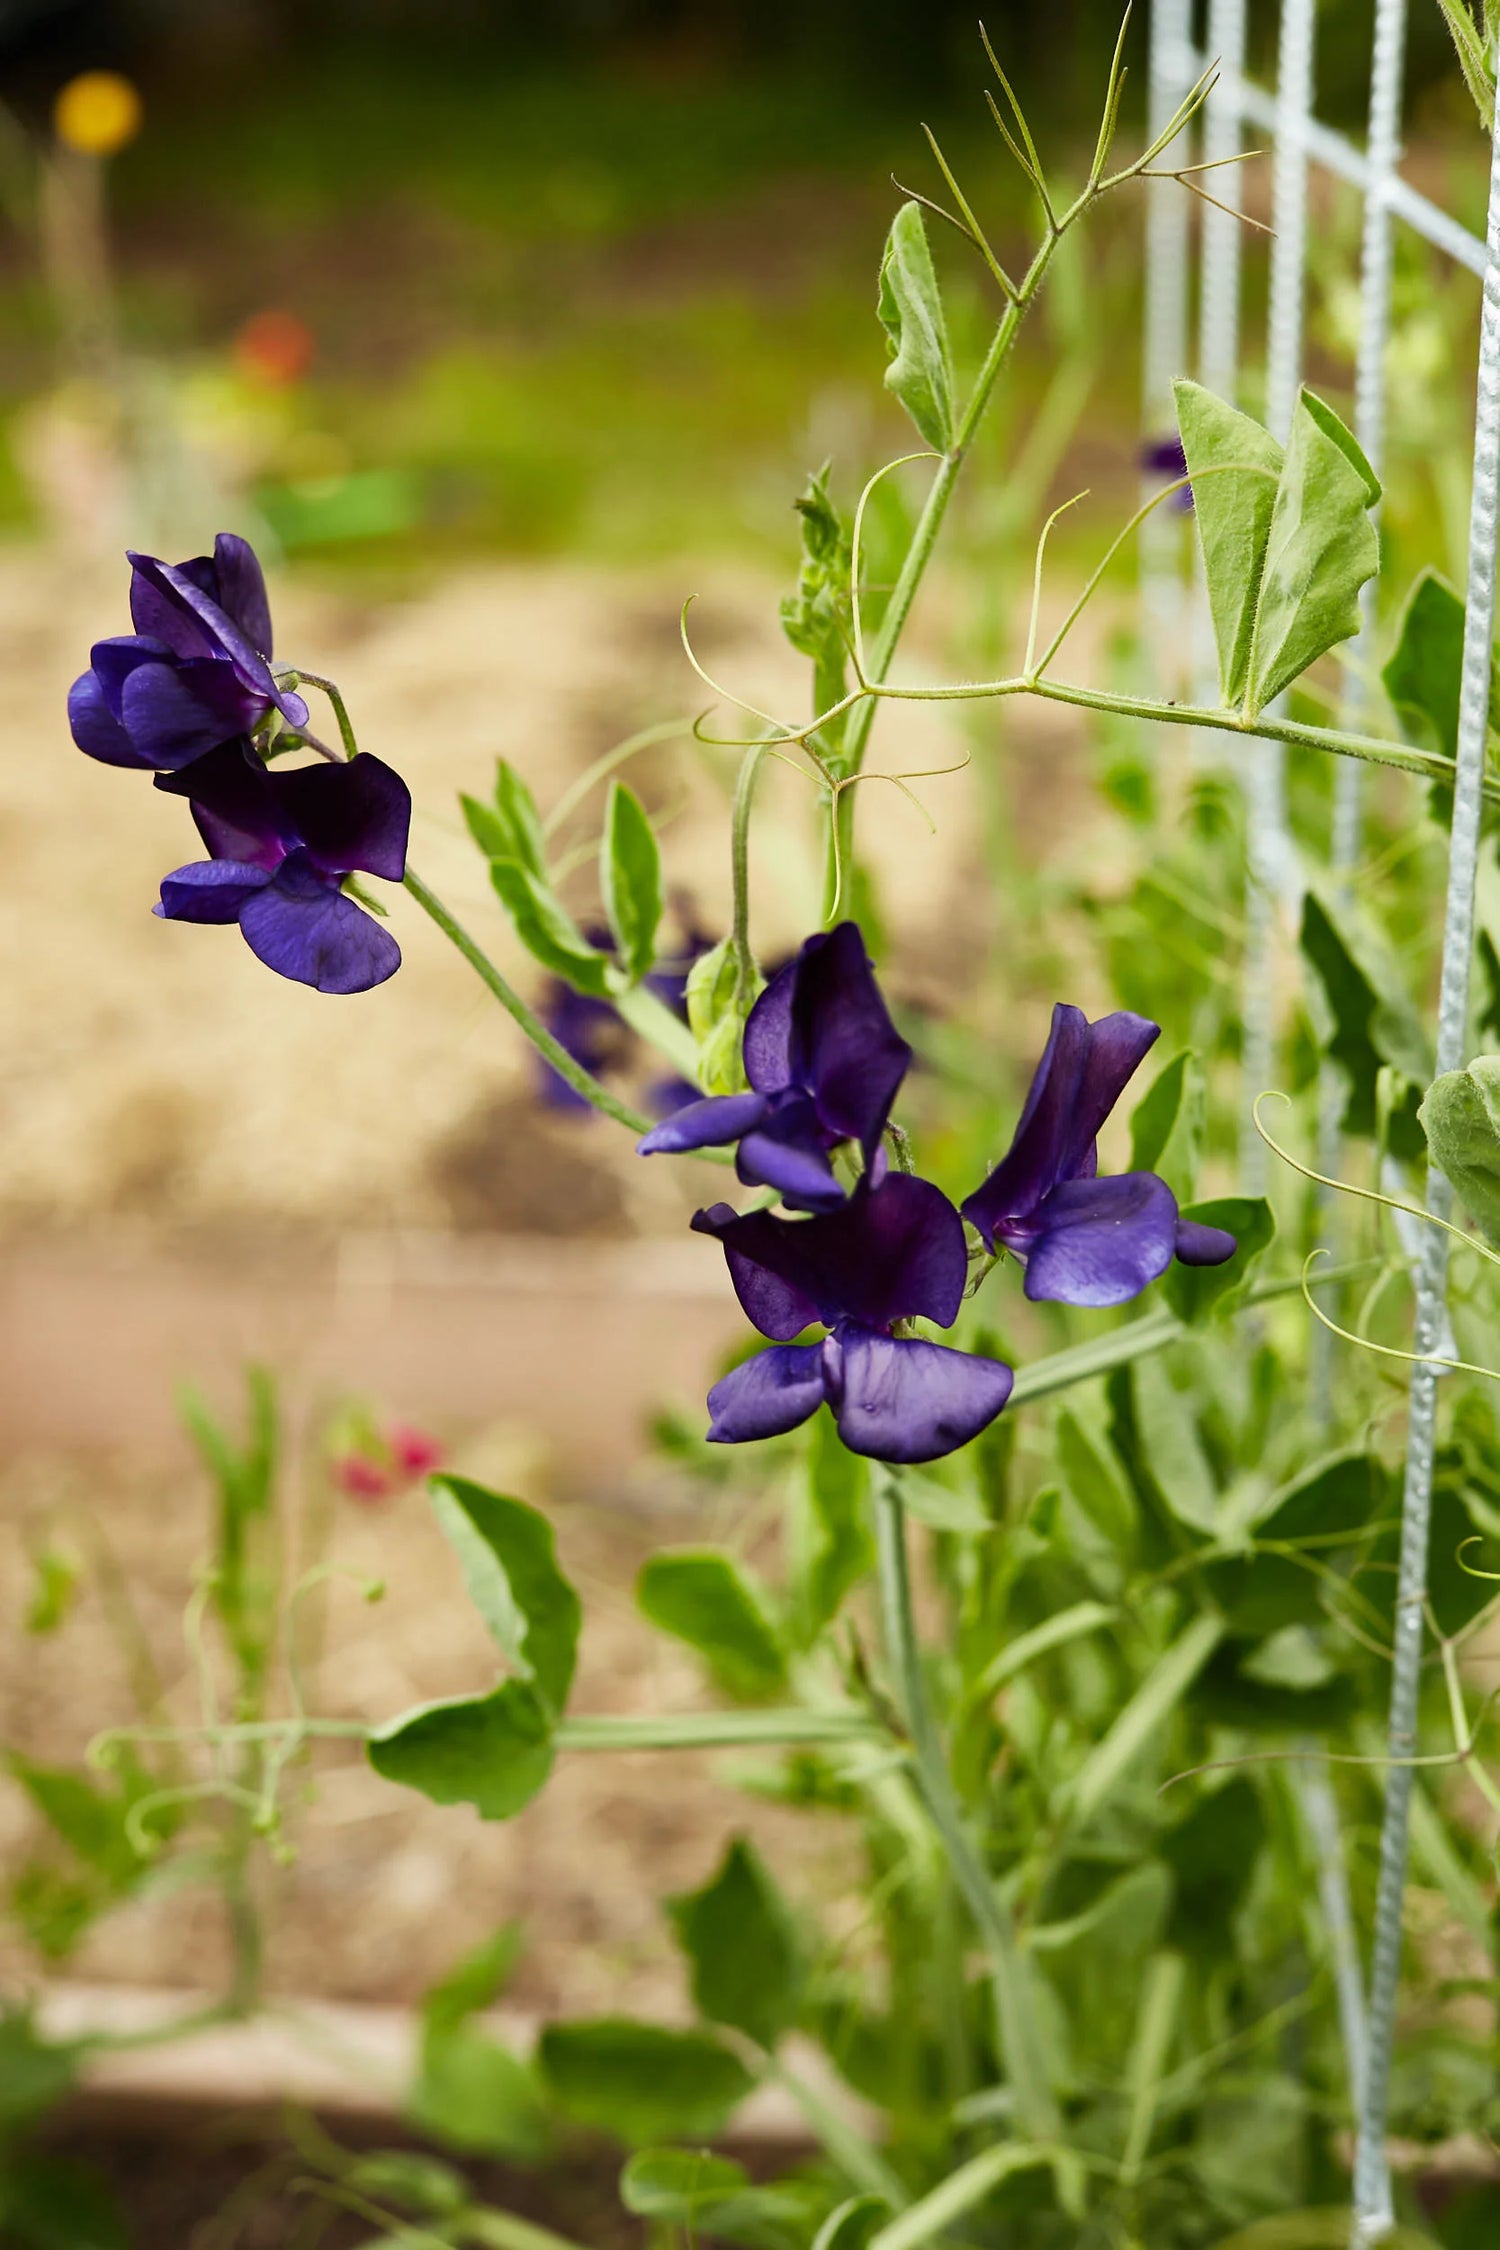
(844,1046)
(665,1096)
(589,1030)
(710,1123)
(786,1152)
(94,726)
(767,1395)
(889,1253)
(175,711)
(172,601)
(1082,1073)
(765,1271)
(907,1400)
(209,890)
(240,589)
(767,1047)
(355,815)
(234,804)
(1198,1245)
(1100,1242)
(305,929)
(1113,1051)
(1029,1167)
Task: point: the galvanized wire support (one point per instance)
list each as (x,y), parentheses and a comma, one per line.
(1164,343)
(1383,147)
(1373,2217)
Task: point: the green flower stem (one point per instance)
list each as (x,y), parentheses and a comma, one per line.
(739,936)
(652,1020)
(581,1081)
(864,2167)
(340,708)
(716,1730)
(1016,2023)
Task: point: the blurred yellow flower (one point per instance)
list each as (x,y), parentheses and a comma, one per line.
(97,112)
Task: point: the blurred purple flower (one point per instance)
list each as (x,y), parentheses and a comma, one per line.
(824,1061)
(193,673)
(1164,457)
(1085,1241)
(282,844)
(888,1254)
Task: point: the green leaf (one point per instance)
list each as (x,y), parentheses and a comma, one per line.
(711,2195)
(1212,1853)
(508,827)
(640,2082)
(547,930)
(89,1818)
(53,1587)
(911,312)
(1460,1115)
(945,1507)
(489,1751)
(1194,1292)
(1167,1431)
(702,1597)
(476,1981)
(34,2072)
(741,1943)
(814,618)
(838,1550)
(1362,1011)
(1262,1594)
(1094,1477)
(473,2094)
(630,880)
(1321,550)
(509,1561)
(717,1020)
(1233,508)
(401,2175)
(1422,673)
(1168,1123)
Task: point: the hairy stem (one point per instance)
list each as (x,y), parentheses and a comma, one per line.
(1016,2025)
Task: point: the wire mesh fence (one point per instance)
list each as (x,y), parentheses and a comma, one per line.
(1284,119)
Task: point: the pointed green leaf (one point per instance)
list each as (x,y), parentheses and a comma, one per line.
(640,2082)
(742,1947)
(1233,509)
(475,2095)
(1096,1479)
(1321,549)
(508,827)
(814,618)
(630,880)
(1460,1115)
(1173,1456)
(911,312)
(1193,1292)
(489,1751)
(711,2197)
(547,930)
(509,1561)
(706,1600)
(1362,1010)
(1422,673)
(1168,1123)
(476,1980)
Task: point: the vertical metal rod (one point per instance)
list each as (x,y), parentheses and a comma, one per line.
(1164,354)
(1372,2190)
(1383,148)
(1270,869)
(1219,298)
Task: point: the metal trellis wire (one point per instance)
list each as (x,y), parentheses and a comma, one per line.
(1299,140)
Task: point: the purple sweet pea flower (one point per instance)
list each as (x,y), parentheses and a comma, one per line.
(888,1254)
(1086,1241)
(282,844)
(824,1061)
(1165,457)
(192,674)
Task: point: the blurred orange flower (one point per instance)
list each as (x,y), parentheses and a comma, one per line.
(274,347)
